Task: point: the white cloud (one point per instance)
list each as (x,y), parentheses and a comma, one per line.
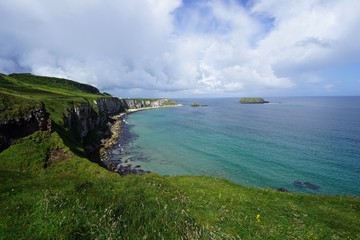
(308,34)
(213,47)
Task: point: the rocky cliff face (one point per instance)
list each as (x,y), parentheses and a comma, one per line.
(91,123)
(108,107)
(36,120)
(81,119)
(141,103)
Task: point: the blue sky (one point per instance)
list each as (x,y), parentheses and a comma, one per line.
(174,48)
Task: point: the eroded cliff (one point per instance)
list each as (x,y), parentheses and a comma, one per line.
(37,119)
(79,113)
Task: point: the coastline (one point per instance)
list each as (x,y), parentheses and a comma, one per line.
(118,134)
(132,110)
(115,134)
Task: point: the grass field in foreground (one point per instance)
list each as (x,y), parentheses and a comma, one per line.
(77,199)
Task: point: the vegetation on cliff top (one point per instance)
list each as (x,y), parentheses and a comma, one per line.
(50,191)
(21,92)
(169,102)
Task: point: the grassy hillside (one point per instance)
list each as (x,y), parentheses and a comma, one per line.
(48,191)
(19,92)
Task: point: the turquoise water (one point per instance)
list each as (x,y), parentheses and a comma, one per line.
(314,140)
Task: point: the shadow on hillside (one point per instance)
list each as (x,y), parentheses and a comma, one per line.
(87,150)
(69,140)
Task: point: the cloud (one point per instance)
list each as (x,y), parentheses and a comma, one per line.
(190,47)
(309,35)
(100,42)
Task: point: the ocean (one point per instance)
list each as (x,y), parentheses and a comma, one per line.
(302,144)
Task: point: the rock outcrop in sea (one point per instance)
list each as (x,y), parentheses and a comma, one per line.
(250,100)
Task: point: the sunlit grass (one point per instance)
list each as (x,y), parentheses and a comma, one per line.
(102,205)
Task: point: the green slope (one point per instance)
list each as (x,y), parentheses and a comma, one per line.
(70,197)
(18,92)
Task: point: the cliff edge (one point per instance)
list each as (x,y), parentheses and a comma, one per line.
(79,113)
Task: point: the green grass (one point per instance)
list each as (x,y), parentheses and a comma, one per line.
(77,200)
(169,102)
(73,198)
(20,92)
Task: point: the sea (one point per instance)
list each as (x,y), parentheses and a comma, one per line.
(298,144)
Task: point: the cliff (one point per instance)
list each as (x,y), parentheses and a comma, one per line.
(84,117)
(78,112)
(145,103)
(36,119)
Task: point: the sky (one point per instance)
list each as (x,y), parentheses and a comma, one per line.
(188,48)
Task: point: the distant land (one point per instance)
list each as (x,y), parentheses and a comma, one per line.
(195,104)
(251,100)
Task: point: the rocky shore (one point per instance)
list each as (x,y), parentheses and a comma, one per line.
(113,149)
(115,134)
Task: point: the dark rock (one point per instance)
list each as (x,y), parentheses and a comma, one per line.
(298,184)
(133,171)
(118,167)
(282,189)
(311,186)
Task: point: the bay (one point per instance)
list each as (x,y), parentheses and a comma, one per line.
(312,140)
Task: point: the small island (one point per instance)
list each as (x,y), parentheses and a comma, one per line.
(251,100)
(195,104)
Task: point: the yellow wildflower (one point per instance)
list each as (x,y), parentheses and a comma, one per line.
(258,217)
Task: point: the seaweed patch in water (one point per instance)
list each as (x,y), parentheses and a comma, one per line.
(309,185)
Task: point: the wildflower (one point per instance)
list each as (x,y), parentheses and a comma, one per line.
(258,217)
